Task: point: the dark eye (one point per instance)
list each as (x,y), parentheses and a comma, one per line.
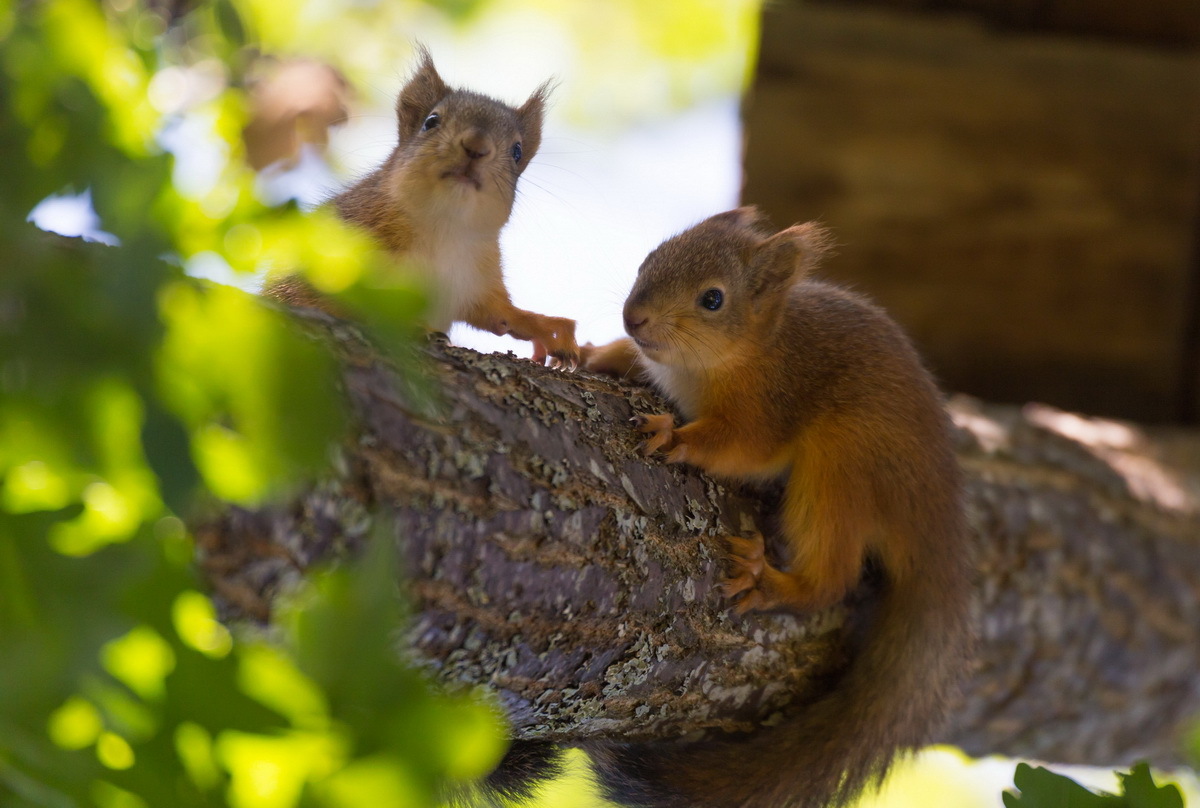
(431,122)
(712,299)
(516,152)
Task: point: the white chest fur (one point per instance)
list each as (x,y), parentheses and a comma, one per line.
(455,262)
(679,385)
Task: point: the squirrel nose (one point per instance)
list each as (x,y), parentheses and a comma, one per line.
(476,144)
(634,320)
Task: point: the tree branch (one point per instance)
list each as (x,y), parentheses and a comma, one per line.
(550,561)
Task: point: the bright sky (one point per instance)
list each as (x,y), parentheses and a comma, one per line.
(590,206)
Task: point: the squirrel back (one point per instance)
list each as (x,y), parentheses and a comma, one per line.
(782,377)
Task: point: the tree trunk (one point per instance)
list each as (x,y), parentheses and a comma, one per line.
(550,561)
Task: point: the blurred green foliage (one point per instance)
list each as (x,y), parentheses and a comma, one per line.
(128,393)
(1042,788)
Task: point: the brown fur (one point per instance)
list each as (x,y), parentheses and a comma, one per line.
(798,380)
(438,204)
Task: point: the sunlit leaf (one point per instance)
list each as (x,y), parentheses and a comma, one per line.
(381,782)
(196,623)
(114,751)
(194,745)
(270,772)
(269,676)
(75,725)
(34,486)
(258,397)
(141,659)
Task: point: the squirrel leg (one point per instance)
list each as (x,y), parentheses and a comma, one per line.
(619,358)
(827,520)
(551,336)
(726,448)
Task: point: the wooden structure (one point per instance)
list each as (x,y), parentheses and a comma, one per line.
(1017,182)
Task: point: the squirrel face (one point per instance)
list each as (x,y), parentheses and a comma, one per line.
(460,151)
(701,295)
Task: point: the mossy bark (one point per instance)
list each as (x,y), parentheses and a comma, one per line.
(547,559)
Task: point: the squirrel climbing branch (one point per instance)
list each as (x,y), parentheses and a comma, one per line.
(547,559)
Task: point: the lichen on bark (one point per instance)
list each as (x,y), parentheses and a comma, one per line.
(548,560)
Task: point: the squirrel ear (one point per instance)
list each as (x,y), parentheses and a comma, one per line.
(419,95)
(790,254)
(530,115)
(743,217)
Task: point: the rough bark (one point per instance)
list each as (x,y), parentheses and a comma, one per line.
(548,560)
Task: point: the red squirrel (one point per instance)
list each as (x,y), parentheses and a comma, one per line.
(783,377)
(440,200)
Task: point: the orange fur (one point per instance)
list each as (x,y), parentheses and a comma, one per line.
(781,377)
(618,358)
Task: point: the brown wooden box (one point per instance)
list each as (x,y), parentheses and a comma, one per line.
(1026,203)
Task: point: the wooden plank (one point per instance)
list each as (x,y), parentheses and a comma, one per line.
(1170,23)
(1024,204)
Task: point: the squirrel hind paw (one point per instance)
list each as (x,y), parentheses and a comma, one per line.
(660,428)
(747,564)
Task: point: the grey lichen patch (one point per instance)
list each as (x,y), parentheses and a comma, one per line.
(689,590)
(473,465)
(696,517)
(633,670)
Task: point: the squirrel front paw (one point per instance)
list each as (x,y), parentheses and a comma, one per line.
(556,341)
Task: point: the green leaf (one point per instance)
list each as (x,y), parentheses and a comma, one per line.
(258,398)
(1142,792)
(229,22)
(1042,788)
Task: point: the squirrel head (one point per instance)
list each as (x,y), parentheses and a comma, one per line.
(461,149)
(702,295)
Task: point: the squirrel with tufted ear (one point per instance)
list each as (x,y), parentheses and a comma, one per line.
(440,200)
(783,377)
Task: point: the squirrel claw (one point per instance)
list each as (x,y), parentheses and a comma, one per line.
(751,601)
(747,560)
(732,587)
(660,428)
(565,361)
(562,359)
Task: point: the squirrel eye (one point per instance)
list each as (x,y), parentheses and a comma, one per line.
(516,152)
(431,122)
(712,299)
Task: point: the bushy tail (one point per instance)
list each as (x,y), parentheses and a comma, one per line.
(890,699)
(525,767)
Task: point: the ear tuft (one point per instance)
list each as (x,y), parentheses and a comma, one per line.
(420,94)
(745,217)
(531,114)
(812,240)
